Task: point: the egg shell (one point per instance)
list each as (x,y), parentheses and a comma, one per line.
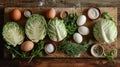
(16,14)
(27,46)
(81,20)
(50,13)
(77,38)
(83,30)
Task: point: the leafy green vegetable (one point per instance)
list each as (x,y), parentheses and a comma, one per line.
(13,33)
(37,50)
(73,49)
(15,51)
(110,55)
(35,27)
(107,16)
(70,24)
(105,31)
(56,29)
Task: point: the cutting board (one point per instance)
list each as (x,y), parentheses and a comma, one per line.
(41,10)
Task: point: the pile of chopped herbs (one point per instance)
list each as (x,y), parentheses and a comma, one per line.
(70,24)
(74,49)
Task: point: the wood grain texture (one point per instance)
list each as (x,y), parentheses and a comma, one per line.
(41,10)
(61,62)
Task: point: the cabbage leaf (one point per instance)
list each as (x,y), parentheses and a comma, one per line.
(56,29)
(13,33)
(35,27)
(105,31)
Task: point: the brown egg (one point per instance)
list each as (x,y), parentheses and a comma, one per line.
(16,14)
(27,46)
(51,13)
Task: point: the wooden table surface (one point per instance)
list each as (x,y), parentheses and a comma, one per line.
(59,62)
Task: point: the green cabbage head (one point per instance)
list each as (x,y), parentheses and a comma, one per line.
(35,27)
(105,31)
(56,29)
(13,33)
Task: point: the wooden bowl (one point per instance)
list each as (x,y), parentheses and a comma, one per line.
(94,9)
(93,51)
(63,14)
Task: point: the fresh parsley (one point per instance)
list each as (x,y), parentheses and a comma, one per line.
(70,24)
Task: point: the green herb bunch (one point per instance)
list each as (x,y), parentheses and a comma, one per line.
(16,52)
(70,24)
(73,49)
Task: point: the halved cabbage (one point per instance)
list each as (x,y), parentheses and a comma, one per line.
(105,31)
(13,33)
(56,29)
(35,27)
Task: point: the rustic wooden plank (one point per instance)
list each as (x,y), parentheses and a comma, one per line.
(60,63)
(39,10)
(61,3)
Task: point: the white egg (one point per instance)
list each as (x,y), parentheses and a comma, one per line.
(81,20)
(77,38)
(83,30)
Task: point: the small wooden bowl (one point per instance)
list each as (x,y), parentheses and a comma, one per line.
(96,9)
(63,14)
(55,48)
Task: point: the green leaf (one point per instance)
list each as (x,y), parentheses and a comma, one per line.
(38,50)
(110,55)
(107,16)
(70,24)
(73,49)
(35,28)
(13,56)
(13,34)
